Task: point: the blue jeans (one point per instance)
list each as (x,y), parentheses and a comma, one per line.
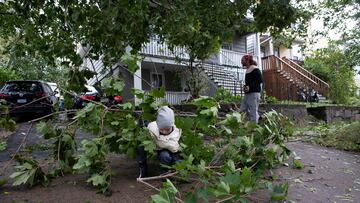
(250,105)
(167,157)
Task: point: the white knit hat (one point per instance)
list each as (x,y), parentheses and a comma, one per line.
(165,117)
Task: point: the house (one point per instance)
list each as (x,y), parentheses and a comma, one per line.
(284,77)
(161,67)
(294,52)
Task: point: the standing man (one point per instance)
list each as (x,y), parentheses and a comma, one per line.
(252,88)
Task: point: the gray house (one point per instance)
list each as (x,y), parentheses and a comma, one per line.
(161,67)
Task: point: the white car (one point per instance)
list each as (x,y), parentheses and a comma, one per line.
(55,89)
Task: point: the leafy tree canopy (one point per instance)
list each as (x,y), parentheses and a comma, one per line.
(333,66)
(53,29)
(343,17)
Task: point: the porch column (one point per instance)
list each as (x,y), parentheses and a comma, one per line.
(258,50)
(137,81)
(271,47)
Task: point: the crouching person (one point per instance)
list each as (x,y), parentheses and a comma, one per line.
(166,136)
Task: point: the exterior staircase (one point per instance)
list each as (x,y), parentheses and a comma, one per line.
(285,79)
(224,78)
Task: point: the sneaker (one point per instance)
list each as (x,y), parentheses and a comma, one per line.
(143,170)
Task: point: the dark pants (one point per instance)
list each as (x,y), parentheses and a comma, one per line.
(165,156)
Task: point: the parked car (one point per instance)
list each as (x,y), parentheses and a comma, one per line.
(58,95)
(95,94)
(28,97)
(55,89)
(92,94)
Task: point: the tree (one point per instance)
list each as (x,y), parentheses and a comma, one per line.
(28,67)
(342,17)
(53,29)
(333,66)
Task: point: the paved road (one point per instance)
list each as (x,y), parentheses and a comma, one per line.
(34,138)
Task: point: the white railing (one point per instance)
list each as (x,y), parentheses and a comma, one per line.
(231,58)
(175,97)
(156,48)
(238,73)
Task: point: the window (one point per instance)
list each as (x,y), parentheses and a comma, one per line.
(22,86)
(157,80)
(227,46)
(262,51)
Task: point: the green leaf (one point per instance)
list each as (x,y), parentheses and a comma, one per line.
(149,146)
(279,192)
(140,94)
(82,163)
(115,123)
(119,86)
(131,61)
(158,93)
(231,165)
(233,179)
(210,112)
(161,199)
(127,105)
(203,194)
(3,145)
(3,181)
(222,189)
(21,178)
(190,198)
(298,164)
(247,180)
(82,113)
(97,180)
(167,193)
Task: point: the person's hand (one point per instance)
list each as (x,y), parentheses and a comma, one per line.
(246,88)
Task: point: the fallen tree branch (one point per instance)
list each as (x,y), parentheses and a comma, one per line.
(49,115)
(157,177)
(226,199)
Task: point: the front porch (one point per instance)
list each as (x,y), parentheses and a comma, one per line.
(169,76)
(228,57)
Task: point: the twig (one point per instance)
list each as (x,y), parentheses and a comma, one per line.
(226,199)
(102,122)
(21,106)
(255,198)
(148,184)
(72,122)
(18,149)
(57,112)
(58,155)
(157,177)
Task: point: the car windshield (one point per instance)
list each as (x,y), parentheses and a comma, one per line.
(31,87)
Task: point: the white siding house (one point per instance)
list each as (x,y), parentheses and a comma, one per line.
(160,68)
